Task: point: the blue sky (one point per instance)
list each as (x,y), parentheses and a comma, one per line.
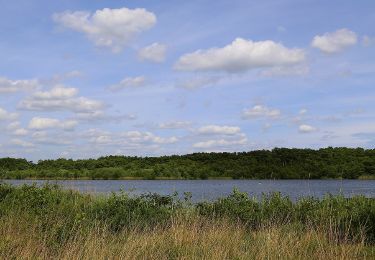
(83,79)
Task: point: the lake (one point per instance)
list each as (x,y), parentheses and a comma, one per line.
(212,189)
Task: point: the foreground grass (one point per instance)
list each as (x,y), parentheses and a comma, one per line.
(47,223)
(198,239)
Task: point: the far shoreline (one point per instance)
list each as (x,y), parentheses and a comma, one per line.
(363,178)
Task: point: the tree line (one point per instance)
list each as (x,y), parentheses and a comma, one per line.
(278,163)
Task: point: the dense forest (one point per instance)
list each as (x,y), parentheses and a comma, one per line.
(279,163)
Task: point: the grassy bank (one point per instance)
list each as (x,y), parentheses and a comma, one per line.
(51,223)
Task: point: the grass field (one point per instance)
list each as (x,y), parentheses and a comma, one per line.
(50,223)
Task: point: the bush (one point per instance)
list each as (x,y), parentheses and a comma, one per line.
(61,212)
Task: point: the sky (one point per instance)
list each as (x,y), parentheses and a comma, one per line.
(83,79)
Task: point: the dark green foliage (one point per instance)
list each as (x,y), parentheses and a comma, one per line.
(120,211)
(279,163)
(237,206)
(14,164)
(347,216)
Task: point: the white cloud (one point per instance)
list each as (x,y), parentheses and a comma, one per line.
(98,136)
(175,125)
(302,111)
(20,132)
(101,139)
(241,55)
(259,111)
(40,123)
(147,137)
(15,129)
(92,132)
(298,70)
(80,104)
(129,83)
(154,52)
(219,130)
(334,42)
(60,98)
(127,140)
(42,137)
(57,92)
(11,86)
(22,143)
(220,138)
(5,115)
(14,125)
(220,143)
(306,128)
(110,28)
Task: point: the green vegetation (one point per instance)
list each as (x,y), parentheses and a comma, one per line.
(52,223)
(279,163)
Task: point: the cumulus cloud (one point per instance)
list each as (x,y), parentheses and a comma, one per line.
(20,132)
(306,128)
(13,125)
(129,83)
(5,115)
(110,28)
(40,123)
(15,129)
(42,137)
(302,111)
(80,104)
(218,138)
(241,55)
(259,111)
(21,143)
(57,92)
(154,52)
(58,99)
(11,86)
(97,136)
(175,125)
(127,140)
(219,130)
(333,42)
(102,139)
(219,143)
(147,137)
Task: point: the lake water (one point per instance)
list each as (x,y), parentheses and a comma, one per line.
(212,189)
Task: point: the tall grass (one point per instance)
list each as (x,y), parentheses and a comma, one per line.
(47,222)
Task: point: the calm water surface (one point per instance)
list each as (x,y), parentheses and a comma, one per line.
(212,189)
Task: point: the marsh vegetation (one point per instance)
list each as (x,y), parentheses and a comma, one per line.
(49,222)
